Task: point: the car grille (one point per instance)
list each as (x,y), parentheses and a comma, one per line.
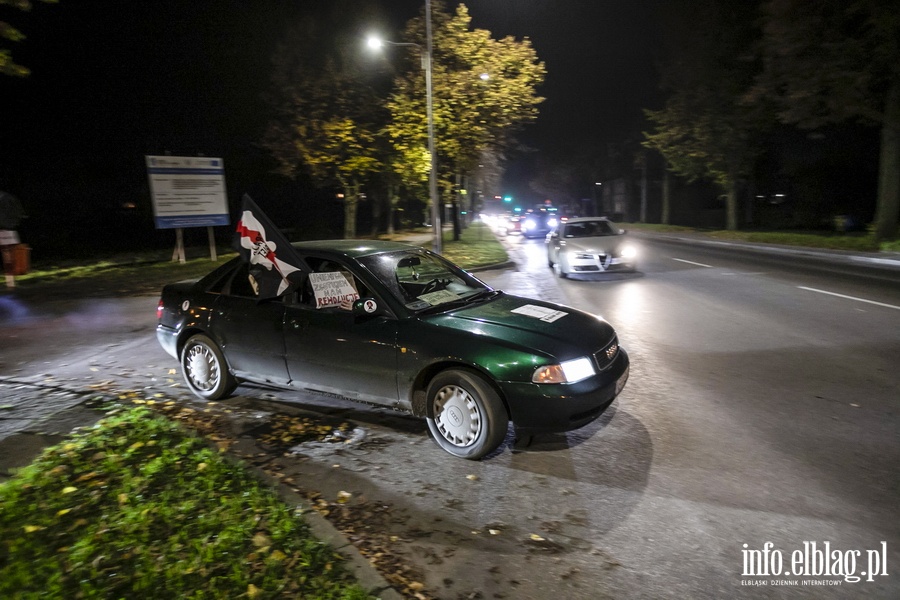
(607,355)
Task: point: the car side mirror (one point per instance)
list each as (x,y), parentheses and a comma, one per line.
(368,307)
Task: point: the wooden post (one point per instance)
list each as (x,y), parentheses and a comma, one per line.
(178,253)
(212,244)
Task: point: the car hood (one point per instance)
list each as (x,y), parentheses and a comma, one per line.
(605,244)
(516,322)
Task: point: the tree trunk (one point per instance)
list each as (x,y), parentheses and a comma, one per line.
(455,208)
(465,202)
(666,198)
(377,203)
(644,190)
(351,202)
(732,205)
(392,204)
(888,211)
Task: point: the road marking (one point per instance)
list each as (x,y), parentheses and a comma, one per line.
(693,263)
(849,297)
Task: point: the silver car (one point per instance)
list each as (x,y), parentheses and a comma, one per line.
(589,245)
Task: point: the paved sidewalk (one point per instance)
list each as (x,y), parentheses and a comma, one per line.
(34,415)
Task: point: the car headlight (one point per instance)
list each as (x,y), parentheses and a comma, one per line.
(529,224)
(580,256)
(628,252)
(552,222)
(569,371)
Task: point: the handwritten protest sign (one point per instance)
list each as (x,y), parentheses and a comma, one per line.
(331,289)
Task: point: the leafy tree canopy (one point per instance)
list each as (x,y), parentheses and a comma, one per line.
(325,114)
(705,130)
(484,90)
(834,61)
(9,33)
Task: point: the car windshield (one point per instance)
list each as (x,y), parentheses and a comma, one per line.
(589,229)
(421,280)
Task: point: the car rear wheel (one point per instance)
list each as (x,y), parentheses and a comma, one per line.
(205,370)
(465,415)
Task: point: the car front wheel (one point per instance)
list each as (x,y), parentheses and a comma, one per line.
(205,370)
(465,415)
(558,269)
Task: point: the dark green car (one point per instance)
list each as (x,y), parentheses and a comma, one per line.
(398,326)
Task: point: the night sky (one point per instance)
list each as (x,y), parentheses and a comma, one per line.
(113,81)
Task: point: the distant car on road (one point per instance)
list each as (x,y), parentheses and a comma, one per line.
(539,223)
(421,335)
(510,225)
(589,245)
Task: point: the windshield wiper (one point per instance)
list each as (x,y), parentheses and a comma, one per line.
(478,297)
(483,295)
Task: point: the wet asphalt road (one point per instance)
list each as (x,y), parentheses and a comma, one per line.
(762,407)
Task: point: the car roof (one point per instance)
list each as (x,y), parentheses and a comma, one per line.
(352,248)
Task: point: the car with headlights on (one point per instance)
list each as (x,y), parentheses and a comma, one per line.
(589,245)
(398,326)
(510,225)
(539,223)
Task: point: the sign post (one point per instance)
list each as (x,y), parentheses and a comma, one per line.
(188,191)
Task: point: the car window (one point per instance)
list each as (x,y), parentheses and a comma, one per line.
(421,280)
(330,286)
(588,229)
(240,284)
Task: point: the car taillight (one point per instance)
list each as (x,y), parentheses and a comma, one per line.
(159,310)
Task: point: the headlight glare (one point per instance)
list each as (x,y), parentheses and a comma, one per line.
(570,371)
(628,252)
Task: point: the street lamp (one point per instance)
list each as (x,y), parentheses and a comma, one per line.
(375,43)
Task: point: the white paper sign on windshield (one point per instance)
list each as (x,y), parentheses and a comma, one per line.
(439,297)
(331,289)
(539,312)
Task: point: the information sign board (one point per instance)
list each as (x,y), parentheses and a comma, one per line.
(187,191)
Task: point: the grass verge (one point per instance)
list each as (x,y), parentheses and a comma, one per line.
(137,507)
(148,273)
(477,247)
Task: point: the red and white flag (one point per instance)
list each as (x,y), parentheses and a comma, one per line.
(274,263)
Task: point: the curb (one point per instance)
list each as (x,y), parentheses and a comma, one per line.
(366,575)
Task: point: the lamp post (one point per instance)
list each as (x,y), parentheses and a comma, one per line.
(375,43)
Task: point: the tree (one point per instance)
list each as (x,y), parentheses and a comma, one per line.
(483,92)
(326,116)
(11,34)
(705,130)
(834,61)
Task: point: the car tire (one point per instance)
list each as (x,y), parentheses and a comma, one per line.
(465,414)
(557,268)
(205,370)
